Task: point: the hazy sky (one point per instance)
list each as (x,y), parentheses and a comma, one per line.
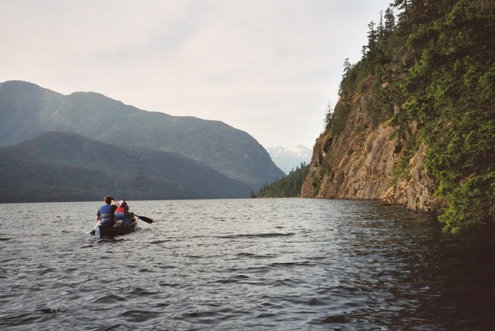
(268,67)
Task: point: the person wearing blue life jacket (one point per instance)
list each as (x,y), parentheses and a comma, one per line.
(122,214)
(106,214)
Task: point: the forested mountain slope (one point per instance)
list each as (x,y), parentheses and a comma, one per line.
(28,110)
(415,123)
(66,167)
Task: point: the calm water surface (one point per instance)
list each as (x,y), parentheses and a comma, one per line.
(285,264)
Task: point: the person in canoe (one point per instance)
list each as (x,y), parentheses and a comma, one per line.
(106,213)
(122,214)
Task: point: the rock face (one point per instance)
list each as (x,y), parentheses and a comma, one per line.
(362,162)
(416,188)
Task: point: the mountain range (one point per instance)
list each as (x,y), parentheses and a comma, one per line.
(59,166)
(28,111)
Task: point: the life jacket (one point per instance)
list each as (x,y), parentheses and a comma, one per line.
(107,214)
(120,209)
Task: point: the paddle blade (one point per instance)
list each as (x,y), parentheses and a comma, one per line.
(145,219)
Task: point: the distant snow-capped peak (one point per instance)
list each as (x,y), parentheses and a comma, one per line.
(289,158)
(298,151)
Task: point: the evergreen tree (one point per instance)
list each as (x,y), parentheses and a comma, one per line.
(289,186)
(389,21)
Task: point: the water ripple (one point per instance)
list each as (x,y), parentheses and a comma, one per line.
(255,235)
(286,264)
(139,315)
(109,298)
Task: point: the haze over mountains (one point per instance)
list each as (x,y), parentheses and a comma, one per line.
(27,111)
(289,158)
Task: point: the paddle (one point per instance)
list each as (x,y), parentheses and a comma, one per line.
(144,218)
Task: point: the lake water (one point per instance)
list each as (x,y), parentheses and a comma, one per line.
(253,264)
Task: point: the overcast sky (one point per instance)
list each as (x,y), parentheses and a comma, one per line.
(268,67)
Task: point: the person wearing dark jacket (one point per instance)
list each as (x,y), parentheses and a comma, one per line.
(106,213)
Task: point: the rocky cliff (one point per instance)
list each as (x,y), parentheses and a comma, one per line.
(364,161)
(415,121)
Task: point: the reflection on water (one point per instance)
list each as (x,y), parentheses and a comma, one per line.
(287,264)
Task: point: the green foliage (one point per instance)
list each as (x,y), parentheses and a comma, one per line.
(289,186)
(471,203)
(411,146)
(336,123)
(328,116)
(352,78)
(438,65)
(451,92)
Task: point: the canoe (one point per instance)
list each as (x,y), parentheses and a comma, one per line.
(110,232)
